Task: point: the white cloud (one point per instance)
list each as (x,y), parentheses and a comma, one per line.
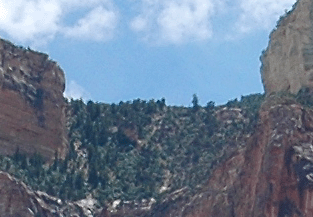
(261,14)
(98,25)
(33,20)
(26,20)
(175,21)
(75,91)
(156,21)
(138,24)
(3,11)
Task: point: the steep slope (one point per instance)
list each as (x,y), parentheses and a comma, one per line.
(271,177)
(268,173)
(129,159)
(19,200)
(32,117)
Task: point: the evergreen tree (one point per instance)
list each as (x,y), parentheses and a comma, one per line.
(195,102)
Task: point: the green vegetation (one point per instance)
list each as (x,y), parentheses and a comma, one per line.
(140,149)
(305,97)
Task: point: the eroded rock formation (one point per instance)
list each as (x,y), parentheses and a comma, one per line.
(287,63)
(32,117)
(271,177)
(19,200)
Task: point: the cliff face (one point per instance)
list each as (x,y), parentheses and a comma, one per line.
(271,177)
(287,63)
(19,200)
(32,117)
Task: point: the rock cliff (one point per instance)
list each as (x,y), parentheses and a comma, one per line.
(271,177)
(19,200)
(32,117)
(287,63)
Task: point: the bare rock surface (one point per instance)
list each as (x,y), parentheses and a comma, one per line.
(32,117)
(287,63)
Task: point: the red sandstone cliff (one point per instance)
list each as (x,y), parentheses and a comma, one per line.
(271,177)
(32,117)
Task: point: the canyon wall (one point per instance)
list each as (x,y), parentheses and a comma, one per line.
(17,200)
(287,63)
(32,117)
(271,177)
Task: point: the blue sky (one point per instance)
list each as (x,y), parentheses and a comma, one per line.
(120,50)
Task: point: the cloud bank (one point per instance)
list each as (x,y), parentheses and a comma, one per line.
(157,21)
(99,25)
(42,20)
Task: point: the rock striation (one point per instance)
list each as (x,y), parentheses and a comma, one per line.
(32,117)
(287,63)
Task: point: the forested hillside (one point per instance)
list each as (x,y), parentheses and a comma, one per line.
(138,150)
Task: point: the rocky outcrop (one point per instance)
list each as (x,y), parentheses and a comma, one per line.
(32,117)
(271,177)
(287,63)
(19,200)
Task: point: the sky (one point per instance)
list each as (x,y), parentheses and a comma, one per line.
(121,50)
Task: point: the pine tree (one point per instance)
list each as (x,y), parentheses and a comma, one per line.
(195,102)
